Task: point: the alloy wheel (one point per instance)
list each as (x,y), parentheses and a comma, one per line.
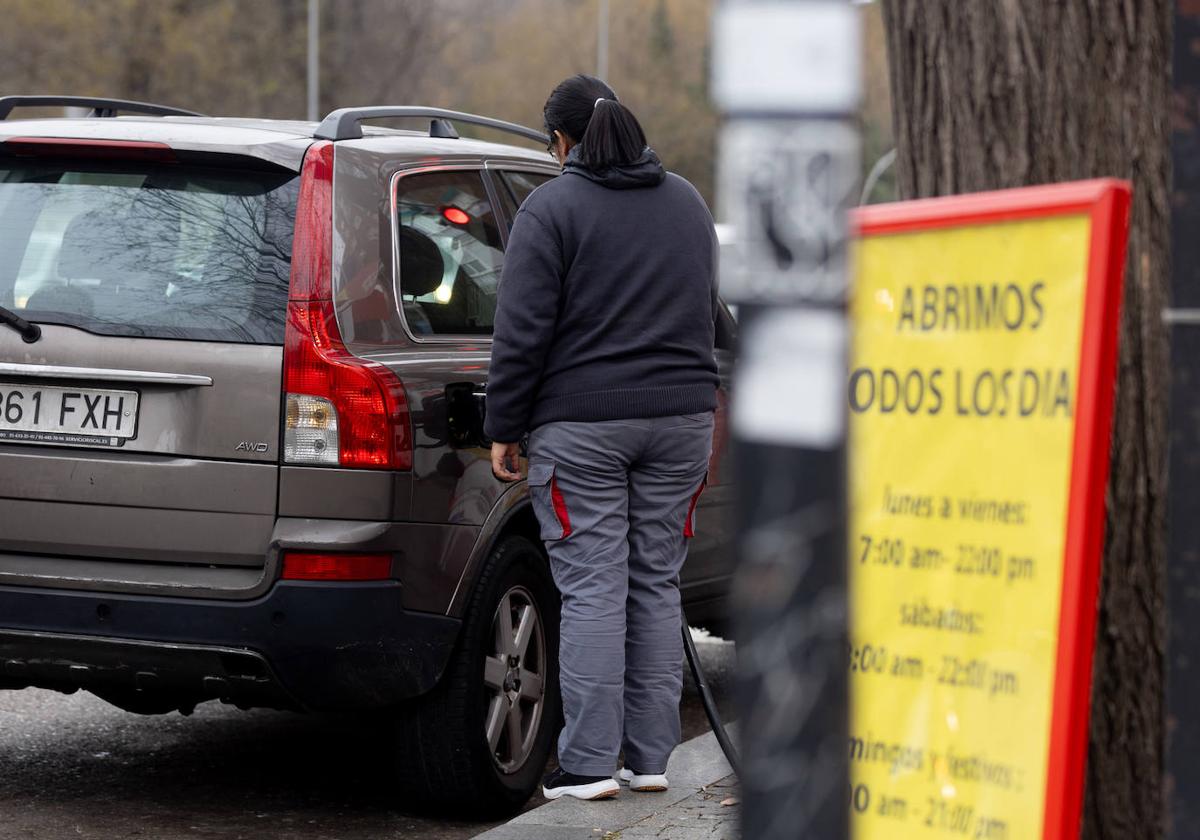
(514,676)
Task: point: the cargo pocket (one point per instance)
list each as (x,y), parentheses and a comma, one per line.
(548,503)
(689,524)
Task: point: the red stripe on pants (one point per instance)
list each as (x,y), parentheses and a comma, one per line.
(689,524)
(560,507)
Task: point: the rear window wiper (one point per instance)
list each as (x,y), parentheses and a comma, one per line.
(30,332)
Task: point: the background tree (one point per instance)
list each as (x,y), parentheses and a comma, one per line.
(1003,94)
(511,56)
(500,57)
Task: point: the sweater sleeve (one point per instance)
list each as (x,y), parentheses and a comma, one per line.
(526,317)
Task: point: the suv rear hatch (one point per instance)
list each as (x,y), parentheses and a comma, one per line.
(139,437)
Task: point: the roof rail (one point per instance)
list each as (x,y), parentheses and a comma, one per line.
(100,107)
(344,123)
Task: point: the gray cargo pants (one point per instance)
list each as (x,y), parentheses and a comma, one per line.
(615,501)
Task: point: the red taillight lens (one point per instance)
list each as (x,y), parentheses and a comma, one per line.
(305,565)
(361,402)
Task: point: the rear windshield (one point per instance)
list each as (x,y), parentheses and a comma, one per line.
(147,250)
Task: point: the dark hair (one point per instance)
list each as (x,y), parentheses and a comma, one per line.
(608,134)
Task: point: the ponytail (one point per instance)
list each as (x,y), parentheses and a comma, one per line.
(613,136)
(587,111)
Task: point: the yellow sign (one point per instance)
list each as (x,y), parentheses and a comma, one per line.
(964,400)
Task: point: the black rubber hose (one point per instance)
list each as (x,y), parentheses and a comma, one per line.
(710,703)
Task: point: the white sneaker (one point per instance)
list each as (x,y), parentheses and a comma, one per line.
(643,782)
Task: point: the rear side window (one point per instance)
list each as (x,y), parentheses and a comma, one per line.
(517,187)
(450,253)
(147,250)
(521,184)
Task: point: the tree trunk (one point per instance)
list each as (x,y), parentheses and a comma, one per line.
(1003,93)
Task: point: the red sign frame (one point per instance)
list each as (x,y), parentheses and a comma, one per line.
(1106,202)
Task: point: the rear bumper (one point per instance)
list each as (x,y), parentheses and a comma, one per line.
(312,646)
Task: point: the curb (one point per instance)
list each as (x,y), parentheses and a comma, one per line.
(693,765)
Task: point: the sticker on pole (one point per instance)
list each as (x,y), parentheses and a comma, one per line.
(980,396)
(785,187)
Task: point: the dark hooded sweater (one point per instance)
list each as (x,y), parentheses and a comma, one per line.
(607,302)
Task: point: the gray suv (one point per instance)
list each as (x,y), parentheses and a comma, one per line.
(241,446)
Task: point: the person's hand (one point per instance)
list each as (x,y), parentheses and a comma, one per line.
(506,461)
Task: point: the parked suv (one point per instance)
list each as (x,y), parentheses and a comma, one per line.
(241,446)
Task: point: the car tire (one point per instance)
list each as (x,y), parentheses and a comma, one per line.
(461,748)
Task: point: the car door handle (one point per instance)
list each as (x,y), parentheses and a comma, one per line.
(144,377)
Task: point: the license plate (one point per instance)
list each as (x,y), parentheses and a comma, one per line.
(51,414)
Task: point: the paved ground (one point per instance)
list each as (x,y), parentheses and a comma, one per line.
(700,805)
(72,766)
(711,814)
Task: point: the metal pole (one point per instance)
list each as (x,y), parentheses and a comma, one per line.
(602,41)
(786,77)
(314,58)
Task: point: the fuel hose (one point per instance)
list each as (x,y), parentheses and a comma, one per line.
(709,702)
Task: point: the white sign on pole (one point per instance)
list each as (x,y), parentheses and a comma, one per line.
(790,387)
(772,56)
(785,187)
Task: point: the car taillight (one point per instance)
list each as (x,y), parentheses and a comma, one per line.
(340,409)
(307,565)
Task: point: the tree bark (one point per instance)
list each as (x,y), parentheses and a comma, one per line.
(990,94)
